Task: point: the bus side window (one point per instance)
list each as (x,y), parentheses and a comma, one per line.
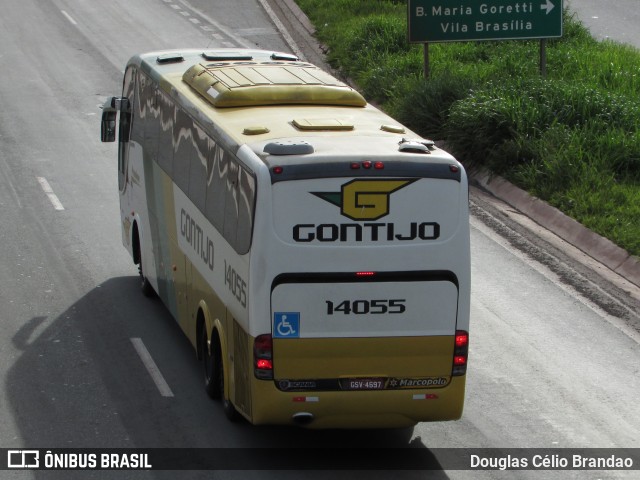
(198,167)
(139,113)
(152,125)
(246,202)
(217,178)
(231,204)
(165,142)
(126,118)
(184,149)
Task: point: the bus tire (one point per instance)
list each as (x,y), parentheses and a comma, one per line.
(210,354)
(145,286)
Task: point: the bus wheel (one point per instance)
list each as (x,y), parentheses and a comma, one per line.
(145,285)
(212,381)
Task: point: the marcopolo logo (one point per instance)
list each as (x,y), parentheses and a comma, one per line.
(364,199)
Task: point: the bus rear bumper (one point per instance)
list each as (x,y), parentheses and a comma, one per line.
(357,409)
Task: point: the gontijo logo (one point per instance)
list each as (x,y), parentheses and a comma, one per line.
(364,199)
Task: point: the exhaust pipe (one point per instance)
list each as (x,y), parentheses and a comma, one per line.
(303,418)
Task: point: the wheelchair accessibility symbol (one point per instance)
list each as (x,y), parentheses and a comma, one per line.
(286,324)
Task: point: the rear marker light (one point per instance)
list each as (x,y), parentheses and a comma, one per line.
(454,168)
(355,166)
(378,166)
(367,164)
(305,399)
(425,396)
(278,170)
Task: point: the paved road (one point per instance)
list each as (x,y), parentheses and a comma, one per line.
(616,20)
(555,355)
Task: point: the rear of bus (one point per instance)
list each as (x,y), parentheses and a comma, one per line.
(364,259)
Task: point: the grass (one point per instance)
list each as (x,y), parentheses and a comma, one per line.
(571,139)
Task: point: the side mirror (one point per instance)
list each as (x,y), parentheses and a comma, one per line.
(108,126)
(110,110)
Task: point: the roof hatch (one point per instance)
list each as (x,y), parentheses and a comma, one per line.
(228,84)
(320,124)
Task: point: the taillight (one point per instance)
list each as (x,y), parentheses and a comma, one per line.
(263,357)
(460,353)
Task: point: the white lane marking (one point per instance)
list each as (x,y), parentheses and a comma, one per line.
(151,367)
(239,40)
(55,201)
(283,31)
(69,17)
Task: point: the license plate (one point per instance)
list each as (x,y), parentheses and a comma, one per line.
(362,383)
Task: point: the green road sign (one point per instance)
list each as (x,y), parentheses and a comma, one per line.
(460,20)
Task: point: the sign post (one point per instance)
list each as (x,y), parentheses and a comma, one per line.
(461,21)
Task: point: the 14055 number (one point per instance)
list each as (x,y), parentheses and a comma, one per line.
(364,307)
(236,284)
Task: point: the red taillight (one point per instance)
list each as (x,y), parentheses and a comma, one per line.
(378,166)
(460,360)
(264,364)
(278,170)
(365,274)
(367,164)
(462,339)
(263,356)
(355,166)
(460,353)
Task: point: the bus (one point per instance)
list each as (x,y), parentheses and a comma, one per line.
(314,251)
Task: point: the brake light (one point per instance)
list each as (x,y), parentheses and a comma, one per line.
(460,353)
(460,360)
(365,274)
(462,339)
(264,364)
(263,357)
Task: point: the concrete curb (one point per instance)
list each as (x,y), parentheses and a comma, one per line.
(599,248)
(300,16)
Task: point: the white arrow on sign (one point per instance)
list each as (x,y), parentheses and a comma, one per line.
(548,7)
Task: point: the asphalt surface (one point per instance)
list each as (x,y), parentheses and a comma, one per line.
(554,359)
(615,20)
